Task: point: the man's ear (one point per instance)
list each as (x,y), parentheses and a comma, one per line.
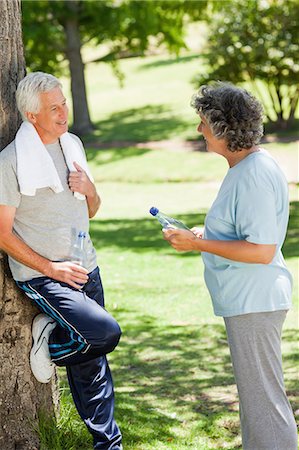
(31,117)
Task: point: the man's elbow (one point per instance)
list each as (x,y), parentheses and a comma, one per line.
(92,212)
(93,207)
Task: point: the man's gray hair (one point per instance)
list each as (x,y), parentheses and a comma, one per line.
(29,89)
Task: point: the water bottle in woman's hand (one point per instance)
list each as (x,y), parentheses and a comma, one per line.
(166,221)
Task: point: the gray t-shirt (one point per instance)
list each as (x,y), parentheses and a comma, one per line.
(47,222)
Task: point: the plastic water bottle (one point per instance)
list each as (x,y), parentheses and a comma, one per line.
(78,249)
(166,221)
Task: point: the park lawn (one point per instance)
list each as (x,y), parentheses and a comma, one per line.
(173,379)
(131,180)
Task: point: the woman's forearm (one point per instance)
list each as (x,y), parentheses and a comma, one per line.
(241,251)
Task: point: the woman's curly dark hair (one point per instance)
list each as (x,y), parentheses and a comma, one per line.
(232,113)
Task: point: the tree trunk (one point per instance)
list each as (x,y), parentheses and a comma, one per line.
(82,123)
(21,396)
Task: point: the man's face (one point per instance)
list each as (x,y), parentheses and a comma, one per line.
(51,120)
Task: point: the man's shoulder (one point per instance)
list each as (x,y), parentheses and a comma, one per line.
(77,139)
(8,154)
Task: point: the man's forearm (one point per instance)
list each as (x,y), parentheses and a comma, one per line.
(93,203)
(67,272)
(17,249)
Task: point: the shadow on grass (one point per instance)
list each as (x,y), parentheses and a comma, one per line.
(290,363)
(142,235)
(139,235)
(283,131)
(175,377)
(148,123)
(114,154)
(168,62)
(163,373)
(291,245)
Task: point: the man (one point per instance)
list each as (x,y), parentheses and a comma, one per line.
(46,199)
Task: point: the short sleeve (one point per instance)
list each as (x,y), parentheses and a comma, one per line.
(256,218)
(9,187)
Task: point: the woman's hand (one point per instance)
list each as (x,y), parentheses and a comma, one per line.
(198,231)
(180,240)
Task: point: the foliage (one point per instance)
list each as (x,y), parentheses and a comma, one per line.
(55,31)
(124,26)
(251,40)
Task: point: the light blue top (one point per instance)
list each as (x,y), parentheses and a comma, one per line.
(252,205)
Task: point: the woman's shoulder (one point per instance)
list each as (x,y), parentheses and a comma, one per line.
(266,165)
(262,172)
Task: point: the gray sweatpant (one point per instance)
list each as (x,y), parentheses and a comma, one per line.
(266,416)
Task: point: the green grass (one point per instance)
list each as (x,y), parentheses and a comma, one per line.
(175,165)
(131,180)
(173,378)
(146,166)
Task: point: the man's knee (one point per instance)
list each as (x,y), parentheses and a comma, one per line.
(113,335)
(108,335)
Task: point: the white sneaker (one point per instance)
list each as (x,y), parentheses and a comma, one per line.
(40,361)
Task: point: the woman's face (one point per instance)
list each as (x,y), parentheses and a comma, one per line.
(213,144)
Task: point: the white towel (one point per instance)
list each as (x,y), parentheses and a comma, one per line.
(35,167)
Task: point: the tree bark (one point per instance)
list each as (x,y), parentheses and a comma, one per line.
(21,396)
(82,123)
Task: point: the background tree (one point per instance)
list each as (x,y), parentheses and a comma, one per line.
(21,396)
(256,41)
(55,31)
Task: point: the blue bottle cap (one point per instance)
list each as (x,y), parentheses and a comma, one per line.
(154,211)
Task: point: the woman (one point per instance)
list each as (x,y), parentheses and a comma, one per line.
(245,271)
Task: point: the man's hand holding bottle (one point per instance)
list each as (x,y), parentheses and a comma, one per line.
(68,272)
